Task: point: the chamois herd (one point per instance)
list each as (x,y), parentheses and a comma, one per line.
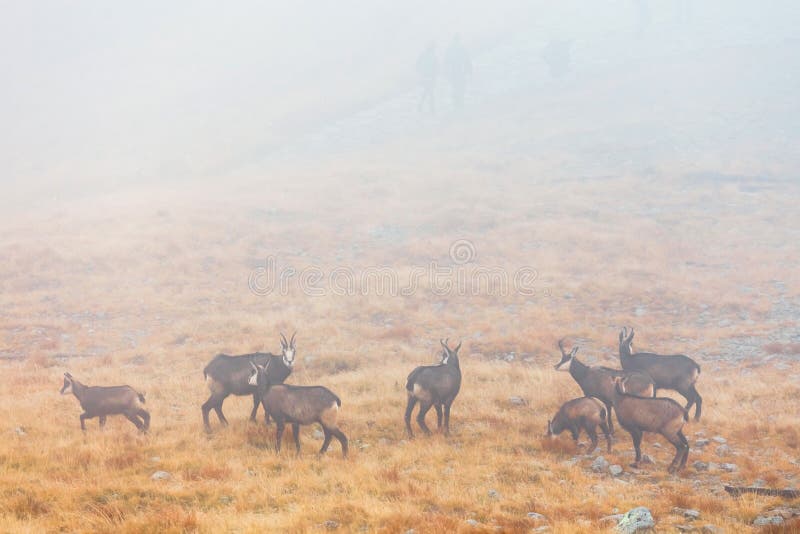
(630,392)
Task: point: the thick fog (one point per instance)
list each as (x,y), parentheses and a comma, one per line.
(100,95)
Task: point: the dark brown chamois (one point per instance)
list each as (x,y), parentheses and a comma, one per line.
(662,415)
(584,413)
(101,402)
(598,382)
(229,375)
(434,385)
(299,405)
(677,372)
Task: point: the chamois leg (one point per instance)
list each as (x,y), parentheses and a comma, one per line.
(135,420)
(338,434)
(253,413)
(447,418)
(689,396)
(593,437)
(145,415)
(423,411)
(637,445)
(280,427)
(412,401)
(678,444)
(220,415)
(685,450)
(102,421)
(84,417)
(327,441)
(609,422)
(438,416)
(213,403)
(698,402)
(606,433)
(296,433)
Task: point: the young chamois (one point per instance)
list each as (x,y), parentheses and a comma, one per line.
(229,375)
(676,372)
(101,402)
(584,413)
(298,405)
(434,385)
(662,415)
(598,382)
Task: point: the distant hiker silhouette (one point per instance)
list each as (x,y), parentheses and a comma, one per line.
(458,70)
(428,71)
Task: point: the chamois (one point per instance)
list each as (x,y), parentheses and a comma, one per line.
(101,402)
(584,413)
(598,382)
(229,375)
(677,372)
(648,414)
(434,385)
(298,405)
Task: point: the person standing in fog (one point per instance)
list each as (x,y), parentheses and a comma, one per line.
(428,71)
(458,69)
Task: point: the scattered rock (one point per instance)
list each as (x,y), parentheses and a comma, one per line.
(729,468)
(330,524)
(160,475)
(720,439)
(635,521)
(600,464)
(723,450)
(411,531)
(543,528)
(759,483)
(615,470)
(155,459)
(473,523)
(20,431)
(536,516)
(711,529)
(647,459)
(319,434)
(657,445)
(493,494)
(517,401)
(700,466)
(702,442)
(688,513)
(764,520)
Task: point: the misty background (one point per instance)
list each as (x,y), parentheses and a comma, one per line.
(100,96)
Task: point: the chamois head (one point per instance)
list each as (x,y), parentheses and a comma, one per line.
(565,357)
(626,342)
(259,375)
(449,355)
(67,387)
(288,349)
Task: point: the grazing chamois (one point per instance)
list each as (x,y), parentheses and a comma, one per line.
(584,413)
(229,375)
(662,415)
(298,405)
(101,402)
(598,382)
(434,385)
(677,372)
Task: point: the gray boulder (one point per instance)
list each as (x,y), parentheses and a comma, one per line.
(636,521)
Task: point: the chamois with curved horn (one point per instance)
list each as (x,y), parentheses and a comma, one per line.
(434,386)
(229,375)
(598,382)
(677,372)
(298,405)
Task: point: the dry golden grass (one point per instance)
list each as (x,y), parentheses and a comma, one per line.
(128,289)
